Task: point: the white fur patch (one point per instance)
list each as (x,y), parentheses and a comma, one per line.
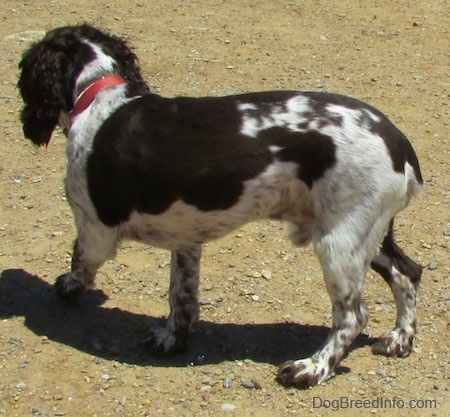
(102,64)
(289,116)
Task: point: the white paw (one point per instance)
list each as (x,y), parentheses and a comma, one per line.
(302,373)
(399,343)
(162,342)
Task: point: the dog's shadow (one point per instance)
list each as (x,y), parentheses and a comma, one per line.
(115,334)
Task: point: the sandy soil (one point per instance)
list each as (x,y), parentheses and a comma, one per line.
(262,301)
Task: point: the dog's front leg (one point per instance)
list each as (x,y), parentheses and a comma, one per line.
(93,246)
(183,298)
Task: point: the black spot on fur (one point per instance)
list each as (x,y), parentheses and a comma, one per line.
(392,255)
(399,148)
(314,152)
(332,361)
(154,151)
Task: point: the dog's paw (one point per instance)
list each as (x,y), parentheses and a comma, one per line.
(302,373)
(67,288)
(396,343)
(162,342)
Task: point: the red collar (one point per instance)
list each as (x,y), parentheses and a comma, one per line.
(88,95)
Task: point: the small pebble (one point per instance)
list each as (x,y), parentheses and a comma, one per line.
(21,385)
(266,274)
(207,381)
(432,266)
(227,383)
(14,341)
(247,383)
(228,407)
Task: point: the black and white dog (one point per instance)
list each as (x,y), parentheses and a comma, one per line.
(178,172)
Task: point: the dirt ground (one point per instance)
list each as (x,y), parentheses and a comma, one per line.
(262,301)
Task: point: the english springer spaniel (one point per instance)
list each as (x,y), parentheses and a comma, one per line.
(178,172)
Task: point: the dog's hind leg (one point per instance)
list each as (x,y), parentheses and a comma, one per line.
(94,245)
(345,246)
(344,274)
(183,298)
(403,276)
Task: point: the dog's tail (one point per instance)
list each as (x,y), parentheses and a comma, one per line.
(413,174)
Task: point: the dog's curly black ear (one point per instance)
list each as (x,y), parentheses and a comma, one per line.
(41,86)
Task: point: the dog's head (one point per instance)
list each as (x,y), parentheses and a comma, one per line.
(50,70)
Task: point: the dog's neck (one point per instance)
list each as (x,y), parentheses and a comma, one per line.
(101,66)
(88,95)
(98,74)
